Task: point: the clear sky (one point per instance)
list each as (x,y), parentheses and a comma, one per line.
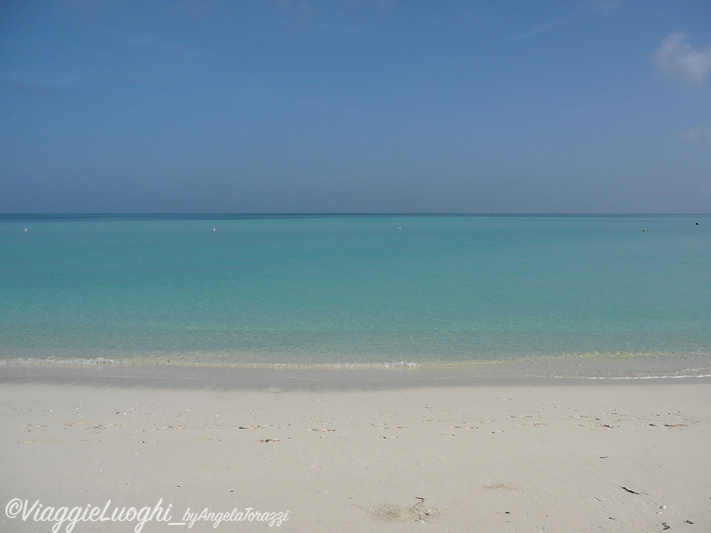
(579,106)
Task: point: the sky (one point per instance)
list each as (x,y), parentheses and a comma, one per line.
(355,106)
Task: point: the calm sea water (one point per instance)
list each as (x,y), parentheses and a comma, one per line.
(363,290)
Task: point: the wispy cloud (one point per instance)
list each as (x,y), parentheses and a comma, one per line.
(608,7)
(677,59)
(553,24)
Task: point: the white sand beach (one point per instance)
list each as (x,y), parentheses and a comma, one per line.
(485,456)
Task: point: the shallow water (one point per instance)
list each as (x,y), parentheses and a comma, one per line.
(359,291)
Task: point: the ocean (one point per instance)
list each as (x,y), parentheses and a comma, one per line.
(625,295)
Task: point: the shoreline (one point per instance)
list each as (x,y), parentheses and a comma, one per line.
(540,371)
(325,379)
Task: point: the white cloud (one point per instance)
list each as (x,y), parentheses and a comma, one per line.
(677,59)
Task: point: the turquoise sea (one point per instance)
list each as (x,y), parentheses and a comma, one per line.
(359,290)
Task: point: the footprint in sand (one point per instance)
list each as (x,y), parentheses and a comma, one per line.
(33,426)
(500,487)
(391,513)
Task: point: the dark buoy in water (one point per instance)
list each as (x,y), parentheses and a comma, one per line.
(644,230)
(697,223)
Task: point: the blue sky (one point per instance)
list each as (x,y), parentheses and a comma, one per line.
(589,106)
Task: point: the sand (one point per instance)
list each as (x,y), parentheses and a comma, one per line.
(323,452)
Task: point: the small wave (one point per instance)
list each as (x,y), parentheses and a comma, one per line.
(60,361)
(193,363)
(334,366)
(679,376)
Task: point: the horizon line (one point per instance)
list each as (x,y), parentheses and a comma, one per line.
(334,213)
